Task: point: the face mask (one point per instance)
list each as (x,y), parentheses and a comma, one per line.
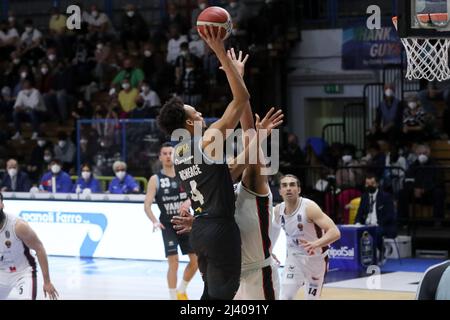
(28,29)
(423,158)
(99,46)
(130,14)
(47,158)
(11,19)
(233,4)
(16,61)
(86,175)
(51,57)
(184,53)
(44,70)
(61,144)
(412,105)
(389,93)
(41,143)
(55,169)
(147,53)
(371,189)
(125,86)
(23,75)
(145,89)
(12,172)
(83,141)
(347,158)
(120,174)
(202,6)
(94,14)
(27,92)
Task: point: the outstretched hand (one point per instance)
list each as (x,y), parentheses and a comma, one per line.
(214,41)
(238,61)
(271,121)
(50,290)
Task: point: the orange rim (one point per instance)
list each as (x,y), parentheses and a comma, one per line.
(435,17)
(395,21)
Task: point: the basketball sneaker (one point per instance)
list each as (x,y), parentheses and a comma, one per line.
(182,296)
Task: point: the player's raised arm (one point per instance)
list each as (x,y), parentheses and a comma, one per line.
(241,96)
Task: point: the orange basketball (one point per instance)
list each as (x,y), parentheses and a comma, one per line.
(217,17)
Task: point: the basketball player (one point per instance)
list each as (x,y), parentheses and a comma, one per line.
(166,189)
(17,265)
(309,232)
(435,284)
(215,236)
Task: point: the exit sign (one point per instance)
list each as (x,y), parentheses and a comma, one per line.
(334,88)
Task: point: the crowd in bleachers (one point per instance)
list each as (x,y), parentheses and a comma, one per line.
(51,76)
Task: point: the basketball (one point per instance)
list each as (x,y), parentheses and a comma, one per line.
(219,18)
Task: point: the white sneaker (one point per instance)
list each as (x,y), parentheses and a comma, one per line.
(34,136)
(17,136)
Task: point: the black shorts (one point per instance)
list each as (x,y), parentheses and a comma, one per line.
(171,241)
(217,244)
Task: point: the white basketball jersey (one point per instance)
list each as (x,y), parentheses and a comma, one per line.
(254,218)
(15,256)
(297,227)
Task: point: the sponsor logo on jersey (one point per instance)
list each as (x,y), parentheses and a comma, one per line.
(12,269)
(182,149)
(343,252)
(8,244)
(300,227)
(174,185)
(7,234)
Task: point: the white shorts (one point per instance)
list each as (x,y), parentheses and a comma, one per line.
(301,270)
(259,284)
(20,285)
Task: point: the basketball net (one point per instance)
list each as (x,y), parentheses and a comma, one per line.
(427,57)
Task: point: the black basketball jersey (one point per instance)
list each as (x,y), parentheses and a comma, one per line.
(169,196)
(208,184)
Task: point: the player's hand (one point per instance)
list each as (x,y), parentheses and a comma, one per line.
(50,290)
(184,208)
(276,259)
(214,41)
(308,246)
(270,121)
(183,225)
(157,226)
(239,61)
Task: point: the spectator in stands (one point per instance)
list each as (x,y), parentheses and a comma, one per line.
(62,80)
(24,73)
(192,83)
(374,159)
(174,17)
(15,180)
(181,61)
(293,157)
(29,103)
(56,180)
(388,118)
(103,61)
(377,209)
(201,5)
(123,183)
(30,43)
(239,15)
(57,24)
(431,95)
(86,183)
(9,39)
(269,24)
(348,175)
(197,46)
(173,46)
(65,151)
(133,28)
(150,100)
(394,173)
(127,98)
(6,103)
(133,74)
(423,184)
(98,24)
(38,157)
(148,63)
(414,121)
(83,110)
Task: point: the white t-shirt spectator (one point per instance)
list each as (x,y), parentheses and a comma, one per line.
(197,47)
(151,99)
(28,38)
(98,21)
(30,99)
(173,48)
(10,34)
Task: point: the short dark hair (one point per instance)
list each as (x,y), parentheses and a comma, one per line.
(28,22)
(1,197)
(292,176)
(62,135)
(172,116)
(165,145)
(86,165)
(371,175)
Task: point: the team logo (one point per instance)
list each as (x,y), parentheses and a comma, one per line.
(12,269)
(290,276)
(166,191)
(7,234)
(299,218)
(181,150)
(174,185)
(300,227)
(8,244)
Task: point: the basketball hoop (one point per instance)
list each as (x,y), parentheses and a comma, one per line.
(427,57)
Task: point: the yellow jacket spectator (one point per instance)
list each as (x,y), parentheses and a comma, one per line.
(127,97)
